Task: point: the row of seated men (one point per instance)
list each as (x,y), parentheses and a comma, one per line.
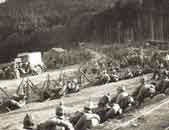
(91,116)
(113,75)
(17,101)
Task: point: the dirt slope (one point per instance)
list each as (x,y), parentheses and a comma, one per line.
(156,120)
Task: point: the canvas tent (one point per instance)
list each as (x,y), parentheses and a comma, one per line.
(53,57)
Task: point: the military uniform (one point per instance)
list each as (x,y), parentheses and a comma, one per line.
(163,84)
(103,107)
(124,99)
(114,76)
(156,69)
(73,86)
(113,111)
(57,123)
(88,118)
(129,74)
(16,102)
(147,90)
(105,78)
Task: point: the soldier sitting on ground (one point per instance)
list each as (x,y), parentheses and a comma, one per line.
(138,71)
(12,72)
(124,100)
(157,69)
(57,92)
(73,86)
(88,118)
(104,78)
(163,84)
(129,74)
(57,123)
(114,76)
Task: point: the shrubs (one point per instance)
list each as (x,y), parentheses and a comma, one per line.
(71,57)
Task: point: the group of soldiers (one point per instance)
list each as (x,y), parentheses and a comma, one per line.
(107,107)
(110,73)
(105,73)
(18,69)
(61,88)
(15,70)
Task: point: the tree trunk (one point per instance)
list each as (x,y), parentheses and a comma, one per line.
(152,27)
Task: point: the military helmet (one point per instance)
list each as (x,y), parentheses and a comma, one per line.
(28,122)
(60,110)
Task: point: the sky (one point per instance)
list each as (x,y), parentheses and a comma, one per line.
(2,1)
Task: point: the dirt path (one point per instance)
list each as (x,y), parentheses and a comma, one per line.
(74,102)
(155,120)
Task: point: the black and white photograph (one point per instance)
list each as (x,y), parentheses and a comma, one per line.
(84,64)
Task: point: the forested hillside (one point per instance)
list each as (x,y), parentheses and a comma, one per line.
(27,25)
(32,24)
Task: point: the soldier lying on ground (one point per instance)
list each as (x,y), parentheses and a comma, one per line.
(145,90)
(114,111)
(88,119)
(105,111)
(57,123)
(124,100)
(103,107)
(16,102)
